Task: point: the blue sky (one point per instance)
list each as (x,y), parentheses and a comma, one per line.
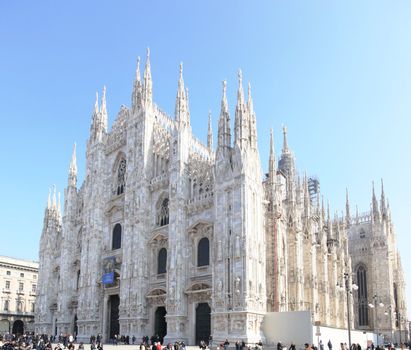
(337,74)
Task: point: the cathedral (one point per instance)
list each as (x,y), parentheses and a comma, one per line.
(169,236)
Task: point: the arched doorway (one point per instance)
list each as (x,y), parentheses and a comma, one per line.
(18,327)
(203,322)
(114,325)
(160,324)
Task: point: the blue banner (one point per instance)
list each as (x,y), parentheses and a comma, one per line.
(108,278)
(108,270)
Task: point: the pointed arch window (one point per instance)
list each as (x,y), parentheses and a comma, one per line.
(162,261)
(116,239)
(6,305)
(121,176)
(203,252)
(163,213)
(362,296)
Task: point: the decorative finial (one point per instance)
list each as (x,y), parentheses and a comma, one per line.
(240,76)
(181,69)
(148,53)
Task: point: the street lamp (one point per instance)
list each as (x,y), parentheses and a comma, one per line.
(348,292)
(389,310)
(374,306)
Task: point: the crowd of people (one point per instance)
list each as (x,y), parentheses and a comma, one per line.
(30,341)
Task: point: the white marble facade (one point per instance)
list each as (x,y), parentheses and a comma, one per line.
(201,239)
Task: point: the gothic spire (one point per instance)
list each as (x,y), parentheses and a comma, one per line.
(240,92)
(95,119)
(285,143)
(271,160)
(253,126)
(137,88)
(209,133)
(307,202)
(96,104)
(375,209)
(286,163)
(329,222)
(224,131)
(322,210)
(347,209)
(148,84)
(49,200)
(54,202)
(241,129)
(103,112)
(187,106)
(383,204)
(72,180)
(250,104)
(181,109)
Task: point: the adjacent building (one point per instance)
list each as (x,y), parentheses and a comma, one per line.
(18,280)
(170,236)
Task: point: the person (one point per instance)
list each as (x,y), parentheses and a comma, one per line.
(321,345)
(260,345)
(226,344)
(307,346)
(81,346)
(279,346)
(292,346)
(237,345)
(329,344)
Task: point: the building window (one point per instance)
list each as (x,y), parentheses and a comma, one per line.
(162,217)
(116,242)
(121,176)
(203,252)
(6,305)
(7,285)
(362,296)
(33,288)
(19,306)
(34,277)
(21,286)
(32,307)
(162,261)
(22,274)
(8,273)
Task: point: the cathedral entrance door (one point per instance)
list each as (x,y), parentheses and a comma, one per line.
(160,324)
(203,323)
(18,327)
(114,325)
